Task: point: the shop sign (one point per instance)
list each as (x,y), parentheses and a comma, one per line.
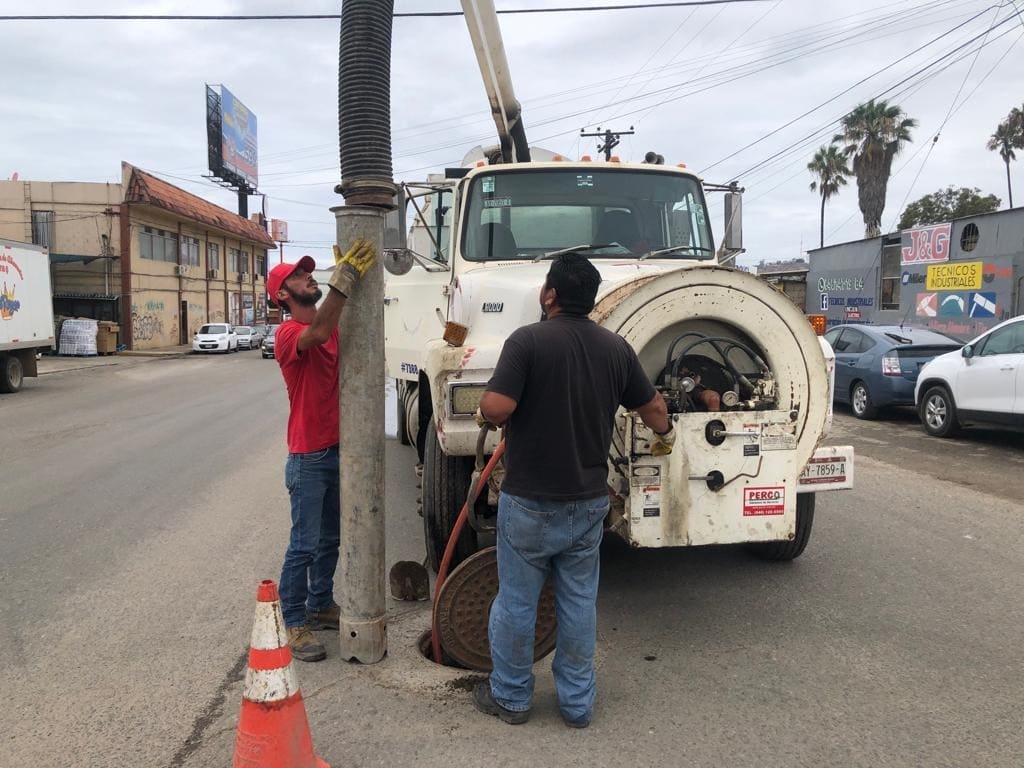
(927,245)
(960,276)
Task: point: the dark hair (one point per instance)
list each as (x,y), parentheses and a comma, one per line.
(576,281)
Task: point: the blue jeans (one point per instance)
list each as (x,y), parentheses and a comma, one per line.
(536,538)
(307,578)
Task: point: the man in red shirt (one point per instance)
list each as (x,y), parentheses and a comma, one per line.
(306,348)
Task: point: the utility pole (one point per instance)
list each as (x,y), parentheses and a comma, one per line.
(612,139)
(364,80)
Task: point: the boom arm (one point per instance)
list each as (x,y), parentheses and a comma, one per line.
(485,33)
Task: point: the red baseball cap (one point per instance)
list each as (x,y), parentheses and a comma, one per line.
(282,272)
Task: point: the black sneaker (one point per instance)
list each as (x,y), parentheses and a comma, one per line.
(583,721)
(484,701)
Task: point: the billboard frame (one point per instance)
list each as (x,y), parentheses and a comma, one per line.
(219,170)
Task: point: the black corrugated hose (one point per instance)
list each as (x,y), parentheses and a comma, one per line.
(364,102)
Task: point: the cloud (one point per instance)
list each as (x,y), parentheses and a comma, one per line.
(86,95)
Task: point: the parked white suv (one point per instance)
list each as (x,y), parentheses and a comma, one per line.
(983,383)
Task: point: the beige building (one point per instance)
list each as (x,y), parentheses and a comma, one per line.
(144,253)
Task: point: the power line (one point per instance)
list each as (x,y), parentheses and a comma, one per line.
(337,16)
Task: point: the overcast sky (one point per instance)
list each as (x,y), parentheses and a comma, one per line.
(79,97)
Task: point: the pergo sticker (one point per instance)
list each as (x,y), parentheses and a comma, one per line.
(764,500)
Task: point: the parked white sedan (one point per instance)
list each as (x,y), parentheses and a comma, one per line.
(215,337)
(983,383)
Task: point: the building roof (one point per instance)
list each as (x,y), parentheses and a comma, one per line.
(782,267)
(147,189)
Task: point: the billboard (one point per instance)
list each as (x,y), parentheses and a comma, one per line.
(231,139)
(279,230)
(927,245)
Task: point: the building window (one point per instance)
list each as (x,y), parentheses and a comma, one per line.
(190,251)
(42,228)
(158,245)
(234,260)
(969,237)
(889,297)
(212,256)
(260,261)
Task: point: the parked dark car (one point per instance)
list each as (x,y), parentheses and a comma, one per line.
(267,346)
(877,365)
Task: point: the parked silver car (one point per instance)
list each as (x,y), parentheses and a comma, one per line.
(244,333)
(267,347)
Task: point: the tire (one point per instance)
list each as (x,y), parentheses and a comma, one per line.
(11,374)
(791,549)
(445,486)
(860,401)
(401,415)
(938,413)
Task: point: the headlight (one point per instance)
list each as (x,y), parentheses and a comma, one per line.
(465,398)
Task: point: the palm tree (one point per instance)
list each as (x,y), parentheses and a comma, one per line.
(1003,141)
(874,133)
(829,166)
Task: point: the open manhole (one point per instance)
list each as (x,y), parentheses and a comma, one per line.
(464,606)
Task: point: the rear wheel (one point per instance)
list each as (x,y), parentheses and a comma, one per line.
(11,374)
(445,487)
(860,401)
(406,392)
(793,548)
(938,413)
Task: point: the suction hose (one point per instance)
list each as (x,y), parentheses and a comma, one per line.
(364,98)
(481,478)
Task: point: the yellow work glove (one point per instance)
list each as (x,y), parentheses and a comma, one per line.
(481,421)
(351,266)
(661,445)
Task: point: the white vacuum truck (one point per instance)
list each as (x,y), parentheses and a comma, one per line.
(26,311)
(746,379)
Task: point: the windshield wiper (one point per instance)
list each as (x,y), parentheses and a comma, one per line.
(674,249)
(573,249)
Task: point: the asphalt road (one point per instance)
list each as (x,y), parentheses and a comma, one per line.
(140,504)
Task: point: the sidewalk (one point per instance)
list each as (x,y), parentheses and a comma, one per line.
(60,364)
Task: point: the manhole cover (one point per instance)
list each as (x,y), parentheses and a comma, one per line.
(463,607)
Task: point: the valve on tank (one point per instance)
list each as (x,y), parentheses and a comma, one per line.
(715,373)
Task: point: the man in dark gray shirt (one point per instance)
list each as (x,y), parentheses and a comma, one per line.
(555,390)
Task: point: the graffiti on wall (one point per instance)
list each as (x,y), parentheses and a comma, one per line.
(146,325)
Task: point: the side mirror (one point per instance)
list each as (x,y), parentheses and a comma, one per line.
(398,261)
(732,239)
(395,227)
(967,351)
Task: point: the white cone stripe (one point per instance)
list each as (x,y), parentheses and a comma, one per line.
(267,685)
(268,630)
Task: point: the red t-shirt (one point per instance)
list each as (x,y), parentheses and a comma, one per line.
(312,381)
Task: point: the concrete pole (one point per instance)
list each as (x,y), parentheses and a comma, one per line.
(361,402)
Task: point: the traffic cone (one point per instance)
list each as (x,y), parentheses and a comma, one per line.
(273,731)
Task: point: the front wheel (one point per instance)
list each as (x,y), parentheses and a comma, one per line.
(446,482)
(793,548)
(11,374)
(860,401)
(938,413)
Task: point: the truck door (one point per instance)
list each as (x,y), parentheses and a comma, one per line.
(412,301)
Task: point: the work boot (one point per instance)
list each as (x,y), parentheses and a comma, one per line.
(484,701)
(325,618)
(583,721)
(304,645)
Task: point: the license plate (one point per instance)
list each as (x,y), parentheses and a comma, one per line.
(829,469)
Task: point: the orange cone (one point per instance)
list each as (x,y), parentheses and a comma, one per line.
(273,731)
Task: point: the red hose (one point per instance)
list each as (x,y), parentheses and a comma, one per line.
(449,550)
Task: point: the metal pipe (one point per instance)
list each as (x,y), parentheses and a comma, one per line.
(361,439)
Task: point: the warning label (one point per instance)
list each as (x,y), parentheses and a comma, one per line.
(764,500)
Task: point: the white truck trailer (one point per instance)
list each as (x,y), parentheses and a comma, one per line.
(26,311)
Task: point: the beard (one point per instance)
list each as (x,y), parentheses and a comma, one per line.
(305,300)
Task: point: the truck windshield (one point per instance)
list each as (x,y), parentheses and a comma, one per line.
(523,214)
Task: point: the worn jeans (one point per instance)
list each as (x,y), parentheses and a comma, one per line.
(536,538)
(307,578)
